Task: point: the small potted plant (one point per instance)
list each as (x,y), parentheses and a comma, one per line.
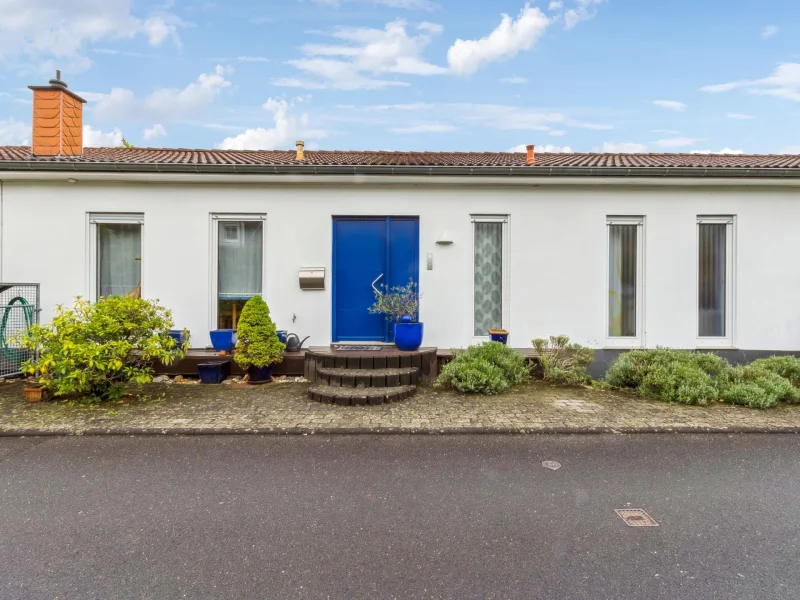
(400,305)
(257,346)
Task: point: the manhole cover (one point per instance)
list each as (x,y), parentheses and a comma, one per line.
(552,465)
(635,517)
(350,348)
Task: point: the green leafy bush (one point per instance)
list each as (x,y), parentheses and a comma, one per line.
(698,378)
(488,369)
(785,366)
(680,382)
(774,387)
(562,361)
(748,394)
(257,342)
(95,349)
(631,368)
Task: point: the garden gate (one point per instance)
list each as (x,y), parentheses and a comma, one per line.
(19,309)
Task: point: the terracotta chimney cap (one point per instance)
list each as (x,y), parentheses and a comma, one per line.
(300,154)
(531,160)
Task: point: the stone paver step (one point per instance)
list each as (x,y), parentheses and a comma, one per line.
(368,378)
(360,396)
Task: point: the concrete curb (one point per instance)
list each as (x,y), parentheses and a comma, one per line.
(187,431)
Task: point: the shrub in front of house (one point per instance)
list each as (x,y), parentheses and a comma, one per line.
(562,361)
(785,366)
(95,349)
(488,369)
(699,378)
(755,386)
(257,342)
(673,375)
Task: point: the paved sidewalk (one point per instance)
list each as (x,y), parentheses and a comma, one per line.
(285,408)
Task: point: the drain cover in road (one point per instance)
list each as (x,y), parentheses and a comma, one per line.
(635,517)
(552,465)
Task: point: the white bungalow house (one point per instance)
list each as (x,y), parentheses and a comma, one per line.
(617,251)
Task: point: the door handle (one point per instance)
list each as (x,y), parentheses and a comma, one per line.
(377,291)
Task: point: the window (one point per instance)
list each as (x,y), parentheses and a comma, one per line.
(238,263)
(715,280)
(115,255)
(490,266)
(625,280)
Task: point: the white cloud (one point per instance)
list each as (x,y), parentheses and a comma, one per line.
(624,148)
(678,142)
(556,5)
(583,11)
(491,116)
(163,104)
(94,138)
(365,55)
(406,4)
(508,39)
(156,131)
(425,128)
(38,28)
(769,31)
(546,148)
(739,116)
(516,79)
(670,104)
(14,133)
(287,128)
(723,151)
(783,83)
(252,59)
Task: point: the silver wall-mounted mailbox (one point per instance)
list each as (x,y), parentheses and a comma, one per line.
(312,278)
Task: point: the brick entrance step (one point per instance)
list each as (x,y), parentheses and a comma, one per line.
(352,377)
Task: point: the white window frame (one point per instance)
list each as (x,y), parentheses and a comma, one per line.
(637,341)
(93,219)
(730,273)
(506,302)
(215,219)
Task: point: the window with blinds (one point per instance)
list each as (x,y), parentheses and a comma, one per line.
(714,279)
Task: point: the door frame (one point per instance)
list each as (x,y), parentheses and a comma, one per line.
(387,219)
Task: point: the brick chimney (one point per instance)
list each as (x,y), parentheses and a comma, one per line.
(57,120)
(531,156)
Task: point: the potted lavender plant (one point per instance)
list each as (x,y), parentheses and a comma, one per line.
(400,305)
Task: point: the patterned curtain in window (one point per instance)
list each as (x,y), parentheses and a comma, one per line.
(622,256)
(712,271)
(488,277)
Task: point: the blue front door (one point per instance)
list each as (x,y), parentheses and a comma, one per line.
(367,250)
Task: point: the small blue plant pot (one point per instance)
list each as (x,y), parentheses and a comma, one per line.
(408,336)
(179,336)
(223,339)
(213,372)
(259,375)
(282,335)
(499,335)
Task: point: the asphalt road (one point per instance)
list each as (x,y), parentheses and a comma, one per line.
(400,517)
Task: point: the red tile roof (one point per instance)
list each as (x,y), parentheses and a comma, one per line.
(336,158)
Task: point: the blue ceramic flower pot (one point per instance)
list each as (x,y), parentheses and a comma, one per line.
(258,375)
(499,335)
(223,339)
(282,335)
(178,336)
(408,335)
(213,372)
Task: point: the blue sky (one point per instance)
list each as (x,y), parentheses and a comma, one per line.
(579,75)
